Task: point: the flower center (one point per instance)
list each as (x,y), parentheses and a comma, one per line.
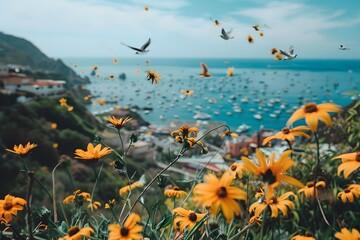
(185,131)
(7,206)
(269,177)
(176,188)
(273,200)
(233,167)
(192,217)
(357,157)
(285,131)
(310,108)
(124,231)
(347,190)
(221,192)
(74,230)
(310,184)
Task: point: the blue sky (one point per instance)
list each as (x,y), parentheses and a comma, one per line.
(182,28)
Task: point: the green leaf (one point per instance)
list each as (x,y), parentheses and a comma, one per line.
(166,221)
(184,181)
(196,227)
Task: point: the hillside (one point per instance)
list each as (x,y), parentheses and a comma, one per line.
(19,51)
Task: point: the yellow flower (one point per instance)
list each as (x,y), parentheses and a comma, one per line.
(115,60)
(312,113)
(288,134)
(53,125)
(153,77)
(186,132)
(130,230)
(55,145)
(261,34)
(345,234)
(175,192)
(10,206)
(22,150)
(230,72)
(350,163)
(259,193)
(77,197)
(185,218)
(101,101)
(187,92)
(218,193)
(308,190)
(349,193)
(237,170)
(250,39)
(128,188)
(70,108)
(229,134)
(92,153)
(307,236)
(63,102)
(110,203)
(95,67)
(272,173)
(275,205)
(278,56)
(95,204)
(118,123)
(255,219)
(274,50)
(146,8)
(75,233)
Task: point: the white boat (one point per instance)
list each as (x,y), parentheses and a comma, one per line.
(202,116)
(243,128)
(257,116)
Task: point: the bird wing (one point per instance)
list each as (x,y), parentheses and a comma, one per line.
(229,32)
(204,68)
(143,47)
(223,32)
(285,53)
(134,48)
(291,50)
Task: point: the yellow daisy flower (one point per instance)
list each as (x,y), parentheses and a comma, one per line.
(272,173)
(230,72)
(92,153)
(308,190)
(95,204)
(110,203)
(218,193)
(237,170)
(345,234)
(186,132)
(274,50)
(130,230)
(350,163)
(261,34)
(95,67)
(312,113)
(175,192)
(75,233)
(185,219)
(9,206)
(349,193)
(307,236)
(288,134)
(281,203)
(128,188)
(187,92)
(63,102)
(229,134)
(153,77)
(250,39)
(278,56)
(22,150)
(118,123)
(53,125)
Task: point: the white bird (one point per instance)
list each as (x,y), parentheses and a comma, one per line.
(225,35)
(290,54)
(342,47)
(141,50)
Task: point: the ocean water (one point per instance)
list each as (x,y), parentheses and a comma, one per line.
(269,88)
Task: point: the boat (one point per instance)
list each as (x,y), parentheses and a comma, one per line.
(243,128)
(201,116)
(257,116)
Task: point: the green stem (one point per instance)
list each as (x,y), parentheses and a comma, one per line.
(121,141)
(263,222)
(30,174)
(54,192)
(316,175)
(246,228)
(182,151)
(93,190)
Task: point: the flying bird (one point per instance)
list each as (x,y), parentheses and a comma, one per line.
(226,35)
(205,70)
(342,47)
(290,54)
(141,50)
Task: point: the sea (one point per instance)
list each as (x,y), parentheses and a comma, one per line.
(262,93)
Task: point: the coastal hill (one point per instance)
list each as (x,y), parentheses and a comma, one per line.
(19,51)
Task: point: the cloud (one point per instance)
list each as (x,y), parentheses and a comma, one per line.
(96,28)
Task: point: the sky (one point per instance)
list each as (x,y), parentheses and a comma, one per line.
(185,28)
